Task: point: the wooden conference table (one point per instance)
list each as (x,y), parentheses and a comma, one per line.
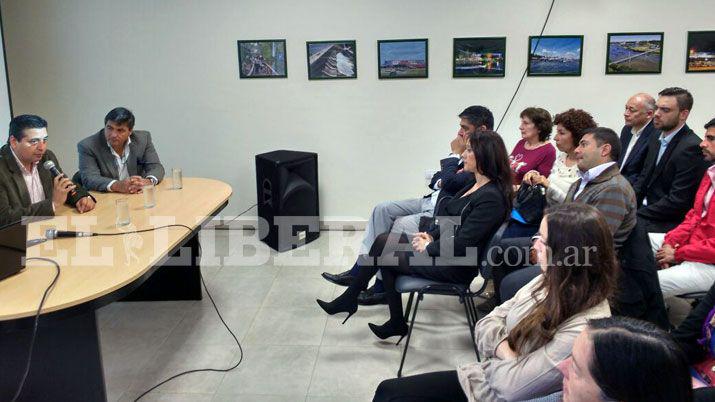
(95,271)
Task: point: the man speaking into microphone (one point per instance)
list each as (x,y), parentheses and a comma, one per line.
(26,188)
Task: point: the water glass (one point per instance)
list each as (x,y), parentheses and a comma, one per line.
(122,206)
(176,178)
(149,196)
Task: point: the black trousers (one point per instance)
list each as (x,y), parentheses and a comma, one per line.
(391,255)
(440,386)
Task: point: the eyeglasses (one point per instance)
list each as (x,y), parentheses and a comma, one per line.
(538,238)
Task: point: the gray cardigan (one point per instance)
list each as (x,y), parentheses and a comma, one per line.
(533,374)
(97,165)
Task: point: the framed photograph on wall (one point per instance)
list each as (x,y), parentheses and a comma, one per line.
(402,58)
(555,55)
(634,53)
(262,58)
(329,60)
(701,52)
(479,57)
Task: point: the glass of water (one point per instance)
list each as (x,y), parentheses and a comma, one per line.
(176,178)
(149,196)
(122,206)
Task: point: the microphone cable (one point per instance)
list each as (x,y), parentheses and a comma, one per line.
(36,323)
(523,75)
(236,217)
(215,370)
(203,283)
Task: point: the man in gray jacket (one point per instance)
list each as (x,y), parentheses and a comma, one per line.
(117,158)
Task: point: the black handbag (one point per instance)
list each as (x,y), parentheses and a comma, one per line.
(529,204)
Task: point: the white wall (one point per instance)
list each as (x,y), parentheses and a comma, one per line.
(174,63)
(5,114)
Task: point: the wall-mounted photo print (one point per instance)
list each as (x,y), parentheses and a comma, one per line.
(479,57)
(262,58)
(555,55)
(634,53)
(701,52)
(404,58)
(331,60)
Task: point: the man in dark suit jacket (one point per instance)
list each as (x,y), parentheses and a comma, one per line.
(404,216)
(673,167)
(635,134)
(26,188)
(117,158)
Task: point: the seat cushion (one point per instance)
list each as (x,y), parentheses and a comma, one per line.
(408,283)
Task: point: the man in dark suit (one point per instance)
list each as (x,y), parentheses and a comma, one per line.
(404,216)
(26,188)
(635,134)
(117,158)
(673,167)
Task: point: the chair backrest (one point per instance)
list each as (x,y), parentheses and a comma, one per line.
(485,267)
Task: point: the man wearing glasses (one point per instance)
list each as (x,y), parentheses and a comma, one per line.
(26,188)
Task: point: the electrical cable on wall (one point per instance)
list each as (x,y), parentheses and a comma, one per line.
(523,75)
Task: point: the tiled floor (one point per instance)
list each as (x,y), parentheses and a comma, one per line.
(293,351)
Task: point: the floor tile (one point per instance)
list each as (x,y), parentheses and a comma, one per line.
(271,370)
(352,371)
(287,326)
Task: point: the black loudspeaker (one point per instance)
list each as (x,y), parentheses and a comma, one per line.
(287,195)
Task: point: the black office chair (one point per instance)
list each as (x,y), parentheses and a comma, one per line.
(413,284)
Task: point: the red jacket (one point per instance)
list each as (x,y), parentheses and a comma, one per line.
(695,237)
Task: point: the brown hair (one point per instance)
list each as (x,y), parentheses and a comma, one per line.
(541,119)
(575,121)
(569,287)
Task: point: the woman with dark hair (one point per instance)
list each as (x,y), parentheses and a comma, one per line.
(525,339)
(623,359)
(533,151)
(570,126)
(476,211)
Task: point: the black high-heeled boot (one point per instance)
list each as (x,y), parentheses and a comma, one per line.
(345,303)
(389,329)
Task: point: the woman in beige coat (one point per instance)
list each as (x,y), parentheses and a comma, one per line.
(523,340)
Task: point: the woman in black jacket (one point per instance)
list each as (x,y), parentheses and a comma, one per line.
(450,252)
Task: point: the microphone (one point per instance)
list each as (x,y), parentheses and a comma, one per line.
(54,234)
(49,165)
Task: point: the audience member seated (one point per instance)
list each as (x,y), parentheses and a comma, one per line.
(695,337)
(686,254)
(523,341)
(623,359)
(570,126)
(119,158)
(26,187)
(533,151)
(404,216)
(667,184)
(635,135)
(601,185)
(450,253)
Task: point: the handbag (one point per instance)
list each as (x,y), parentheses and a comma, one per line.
(529,204)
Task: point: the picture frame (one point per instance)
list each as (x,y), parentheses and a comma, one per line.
(481,57)
(402,58)
(700,57)
(265,58)
(329,60)
(634,53)
(556,55)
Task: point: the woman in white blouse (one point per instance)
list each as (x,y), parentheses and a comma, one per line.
(569,129)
